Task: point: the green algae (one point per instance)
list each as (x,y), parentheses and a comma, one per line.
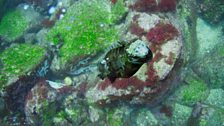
(86,29)
(13,25)
(195,91)
(113,118)
(49,110)
(19,60)
(210,116)
(118,10)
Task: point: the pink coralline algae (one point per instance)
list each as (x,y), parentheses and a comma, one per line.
(144,5)
(136,29)
(162,33)
(167,5)
(153,6)
(123,83)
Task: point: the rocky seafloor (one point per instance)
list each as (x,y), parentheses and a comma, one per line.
(50,51)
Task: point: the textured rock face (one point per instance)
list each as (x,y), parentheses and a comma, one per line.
(38,96)
(20,60)
(210,67)
(211,10)
(181,114)
(15,23)
(146,118)
(206,115)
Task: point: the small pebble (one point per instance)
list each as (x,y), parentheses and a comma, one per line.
(68,81)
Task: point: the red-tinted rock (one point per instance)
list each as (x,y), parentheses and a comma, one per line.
(162,33)
(136,29)
(144,5)
(166,5)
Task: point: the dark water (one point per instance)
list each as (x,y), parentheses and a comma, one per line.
(74,63)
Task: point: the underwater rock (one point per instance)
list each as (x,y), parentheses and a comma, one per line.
(55,103)
(82,41)
(41,94)
(23,20)
(20,61)
(211,11)
(146,118)
(181,115)
(22,65)
(118,116)
(215,98)
(206,115)
(194,90)
(15,95)
(210,67)
(208,37)
(43,100)
(41,37)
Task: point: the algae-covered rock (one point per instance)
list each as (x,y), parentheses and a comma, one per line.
(187,16)
(118,11)
(55,104)
(181,114)
(115,117)
(146,118)
(211,10)
(210,67)
(215,98)
(86,29)
(19,60)
(205,115)
(208,37)
(16,22)
(194,91)
(13,25)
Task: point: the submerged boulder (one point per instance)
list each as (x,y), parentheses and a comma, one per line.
(18,61)
(16,22)
(212,11)
(86,29)
(210,67)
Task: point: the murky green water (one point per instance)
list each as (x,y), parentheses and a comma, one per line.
(111,63)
